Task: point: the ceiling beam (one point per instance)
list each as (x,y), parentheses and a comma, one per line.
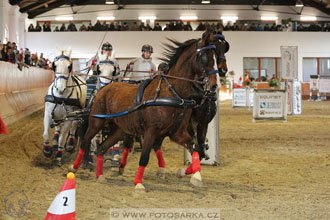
(33,5)
(14,2)
(316,5)
(51,6)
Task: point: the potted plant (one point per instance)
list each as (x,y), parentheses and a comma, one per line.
(274,83)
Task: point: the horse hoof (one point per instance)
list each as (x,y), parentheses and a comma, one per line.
(139,188)
(101,179)
(72,169)
(47,152)
(69,148)
(181,173)
(58,162)
(161,173)
(121,170)
(196,179)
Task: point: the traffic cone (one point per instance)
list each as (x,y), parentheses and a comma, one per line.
(64,205)
(3,128)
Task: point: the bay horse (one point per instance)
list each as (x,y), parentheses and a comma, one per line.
(155,114)
(66,93)
(202,113)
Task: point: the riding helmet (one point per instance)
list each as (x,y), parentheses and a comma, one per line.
(147,47)
(107,46)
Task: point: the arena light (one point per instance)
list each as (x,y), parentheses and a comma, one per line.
(109,2)
(269,18)
(229,18)
(188,18)
(206,2)
(308,18)
(106,18)
(299,3)
(147,17)
(63,18)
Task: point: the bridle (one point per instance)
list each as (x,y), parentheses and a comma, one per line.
(60,75)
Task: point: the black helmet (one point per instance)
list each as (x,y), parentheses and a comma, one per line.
(147,47)
(107,46)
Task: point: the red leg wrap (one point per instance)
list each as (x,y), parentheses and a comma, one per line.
(196,164)
(189,170)
(139,175)
(161,161)
(123,161)
(77,163)
(99,166)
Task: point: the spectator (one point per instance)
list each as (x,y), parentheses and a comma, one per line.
(279,27)
(259,28)
(167,28)
(31,28)
(117,27)
(227,27)
(111,27)
(314,27)
(200,27)
(235,27)
(11,55)
(301,27)
(97,26)
(56,29)
(142,27)
(46,27)
(253,27)
(90,27)
(148,28)
(266,28)
(72,26)
(105,26)
(135,27)
(27,57)
(171,26)
(179,26)
(273,27)
(124,27)
(83,28)
(244,27)
(219,26)
(63,28)
(187,26)
(157,27)
(327,28)
(38,28)
(4,53)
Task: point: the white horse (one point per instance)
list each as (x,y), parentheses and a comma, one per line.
(67,93)
(107,68)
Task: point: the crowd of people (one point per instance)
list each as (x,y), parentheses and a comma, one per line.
(9,52)
(179,26)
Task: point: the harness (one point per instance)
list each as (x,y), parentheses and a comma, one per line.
(175,101)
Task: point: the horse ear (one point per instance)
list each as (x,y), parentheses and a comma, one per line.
(207,37)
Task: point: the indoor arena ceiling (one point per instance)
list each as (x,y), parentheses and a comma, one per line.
(38,7)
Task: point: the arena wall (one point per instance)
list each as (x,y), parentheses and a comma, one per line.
(22,92)
(128,44)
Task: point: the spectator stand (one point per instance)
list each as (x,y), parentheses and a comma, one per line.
(319,87)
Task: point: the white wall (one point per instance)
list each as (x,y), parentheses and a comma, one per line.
(128,44)
(12,23)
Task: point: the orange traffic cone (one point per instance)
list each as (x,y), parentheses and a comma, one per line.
(64,205)
(3,129)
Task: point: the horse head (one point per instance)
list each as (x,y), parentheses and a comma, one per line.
(208,58)
(62,67)
(105,68)
(222,47)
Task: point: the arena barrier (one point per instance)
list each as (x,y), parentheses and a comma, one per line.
(22,92)
(319,87)
(212,139)
(242,97)
(270,104)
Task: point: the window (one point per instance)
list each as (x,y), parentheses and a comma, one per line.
(262,68)
(316,66)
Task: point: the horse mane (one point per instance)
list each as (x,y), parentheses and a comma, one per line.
(172,53)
